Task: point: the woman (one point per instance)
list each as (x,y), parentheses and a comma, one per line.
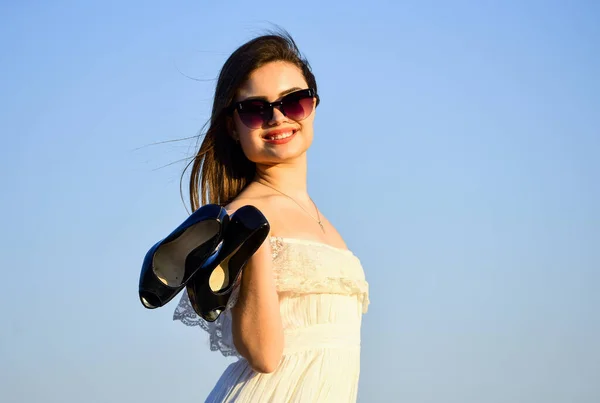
(294,321)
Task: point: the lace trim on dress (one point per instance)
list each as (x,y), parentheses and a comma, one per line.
(318,271)
(276,246)
(219,331)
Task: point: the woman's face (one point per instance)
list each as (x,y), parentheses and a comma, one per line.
(281,139)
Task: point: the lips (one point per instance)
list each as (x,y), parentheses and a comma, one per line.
(279,136)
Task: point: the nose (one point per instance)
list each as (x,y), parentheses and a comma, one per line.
(277,118)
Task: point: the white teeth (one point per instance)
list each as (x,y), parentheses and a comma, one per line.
(280,136)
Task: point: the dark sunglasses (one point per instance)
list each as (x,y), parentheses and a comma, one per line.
(254,113)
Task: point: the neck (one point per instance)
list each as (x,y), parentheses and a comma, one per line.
(289,177)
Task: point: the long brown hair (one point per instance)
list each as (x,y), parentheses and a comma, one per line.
(220,170)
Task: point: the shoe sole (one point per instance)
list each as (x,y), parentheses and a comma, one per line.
(220,277)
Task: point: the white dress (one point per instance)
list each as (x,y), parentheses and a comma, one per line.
(323,295)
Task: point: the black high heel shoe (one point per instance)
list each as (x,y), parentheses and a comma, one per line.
(210,288)
(170,263)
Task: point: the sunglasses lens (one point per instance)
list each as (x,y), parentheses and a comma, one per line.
(298,108)
(254,113)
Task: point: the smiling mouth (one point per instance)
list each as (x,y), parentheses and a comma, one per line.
(280,136)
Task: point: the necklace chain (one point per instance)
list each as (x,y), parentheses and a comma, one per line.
(318,219)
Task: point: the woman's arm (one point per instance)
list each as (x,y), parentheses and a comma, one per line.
(256,321)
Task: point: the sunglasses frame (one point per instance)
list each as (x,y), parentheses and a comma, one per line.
(270,106)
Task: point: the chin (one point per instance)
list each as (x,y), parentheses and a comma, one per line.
(272,155)
(280,157)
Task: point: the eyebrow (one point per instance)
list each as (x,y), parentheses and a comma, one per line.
(281,94)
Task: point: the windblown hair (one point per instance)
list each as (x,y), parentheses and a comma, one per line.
(220,170)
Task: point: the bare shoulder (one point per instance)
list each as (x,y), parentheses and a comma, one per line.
(286,219)
(266,205)
(263,255)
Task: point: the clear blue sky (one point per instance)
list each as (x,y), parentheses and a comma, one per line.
(457,150)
